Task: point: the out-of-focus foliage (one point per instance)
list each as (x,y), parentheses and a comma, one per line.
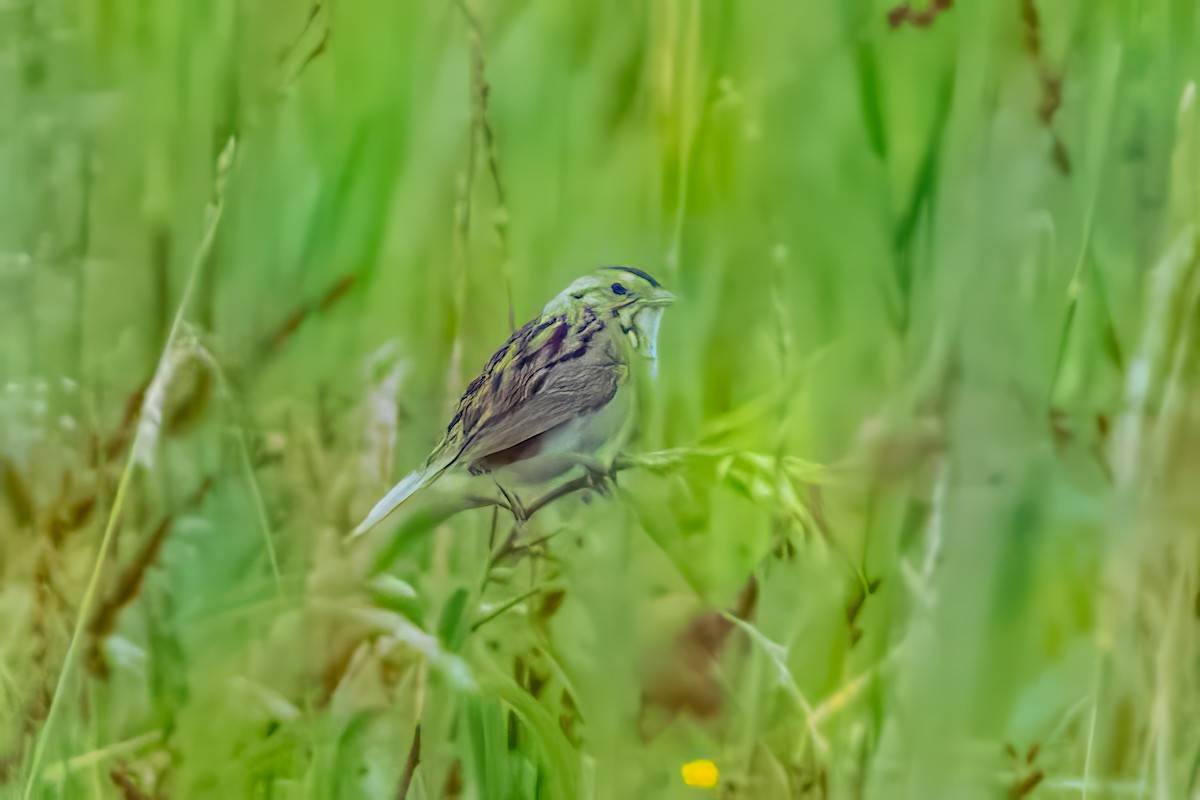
(913,510)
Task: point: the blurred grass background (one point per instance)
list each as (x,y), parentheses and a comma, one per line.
(922,520)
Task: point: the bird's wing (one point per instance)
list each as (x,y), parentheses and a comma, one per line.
(571,392)
(549,372)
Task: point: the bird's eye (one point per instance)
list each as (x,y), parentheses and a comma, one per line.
(618,289)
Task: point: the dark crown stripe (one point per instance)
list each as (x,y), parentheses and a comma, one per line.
(646,276)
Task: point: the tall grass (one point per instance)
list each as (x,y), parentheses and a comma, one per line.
(912,510)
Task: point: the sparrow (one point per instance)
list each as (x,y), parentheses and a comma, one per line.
(555,396)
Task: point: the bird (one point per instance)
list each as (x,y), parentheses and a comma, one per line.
(555,396)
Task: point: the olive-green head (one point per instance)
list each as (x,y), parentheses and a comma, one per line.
(627,294)
(612,289)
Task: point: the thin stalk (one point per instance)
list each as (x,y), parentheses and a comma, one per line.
(1083,257)
(688,130)
(505,606)
(1092,724)
(239,435)
(481,126)
(60,770)
(260,508)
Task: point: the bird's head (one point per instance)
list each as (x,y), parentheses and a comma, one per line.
(625,294)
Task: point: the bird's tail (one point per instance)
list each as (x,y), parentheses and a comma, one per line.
(409,485)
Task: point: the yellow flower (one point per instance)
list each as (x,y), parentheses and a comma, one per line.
(703,773)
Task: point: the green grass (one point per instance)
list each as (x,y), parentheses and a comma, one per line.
(912,512)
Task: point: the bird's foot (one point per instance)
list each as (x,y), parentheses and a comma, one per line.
(514,505)
(520,514)
(601,478)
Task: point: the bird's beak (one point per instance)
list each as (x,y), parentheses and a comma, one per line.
(660,297)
